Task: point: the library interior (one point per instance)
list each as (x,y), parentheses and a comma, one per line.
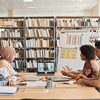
(50,49)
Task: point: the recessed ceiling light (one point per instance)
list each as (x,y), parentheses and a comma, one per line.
(28,0)
(76,0)
(79,0)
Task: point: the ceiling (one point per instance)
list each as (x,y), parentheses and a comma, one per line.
(45,7)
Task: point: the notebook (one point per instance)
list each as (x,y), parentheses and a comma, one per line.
(36,90)
(45,68)
(32,78)
(8,90)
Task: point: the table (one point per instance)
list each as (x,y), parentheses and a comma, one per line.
(82,92)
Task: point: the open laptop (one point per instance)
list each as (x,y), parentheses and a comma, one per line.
(45,68)
(60,79)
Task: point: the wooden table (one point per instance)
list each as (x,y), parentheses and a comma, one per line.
(82,92)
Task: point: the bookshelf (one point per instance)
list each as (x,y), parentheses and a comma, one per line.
(12,34)
(37,38)
(93,24)
(67,23)
(32,37)
(40,41)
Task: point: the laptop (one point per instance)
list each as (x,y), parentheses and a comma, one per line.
(45,68)
(60,79)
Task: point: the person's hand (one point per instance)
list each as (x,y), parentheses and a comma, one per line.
(81,76)
(78,81)
(67,69)
(21,77)
(64,72)
(10,83)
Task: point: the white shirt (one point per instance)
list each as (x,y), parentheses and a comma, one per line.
(4,71)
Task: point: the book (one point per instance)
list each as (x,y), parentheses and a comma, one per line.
(36,90)
(8,90)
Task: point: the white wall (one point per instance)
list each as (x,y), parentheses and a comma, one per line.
(94,11)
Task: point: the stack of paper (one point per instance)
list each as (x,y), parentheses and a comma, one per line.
(8,90)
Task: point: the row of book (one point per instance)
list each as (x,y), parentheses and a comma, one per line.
(39,32)
(11,22)
(37,22)
(40,43)
(11,33)
(12,43)
(16,43)
(39,53)
(17,64)
(4,43)
(70,22)
(31,64)
(58,33)
(19,53)
(94,33)
(93,22)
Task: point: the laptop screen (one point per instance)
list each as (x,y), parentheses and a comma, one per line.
(45,66)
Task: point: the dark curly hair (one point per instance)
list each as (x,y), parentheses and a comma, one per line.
(97,44)
(88,51)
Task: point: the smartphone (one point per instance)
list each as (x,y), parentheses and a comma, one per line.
(21,84)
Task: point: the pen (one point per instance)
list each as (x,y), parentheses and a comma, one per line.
(65,83)
(58,69)
(78,76)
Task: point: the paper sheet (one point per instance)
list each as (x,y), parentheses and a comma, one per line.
(37,83)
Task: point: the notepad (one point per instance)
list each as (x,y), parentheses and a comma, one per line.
(36,90)
(8,90)
(66,85)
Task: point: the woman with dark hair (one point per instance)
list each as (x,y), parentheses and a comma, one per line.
(94,82)
(91,67)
